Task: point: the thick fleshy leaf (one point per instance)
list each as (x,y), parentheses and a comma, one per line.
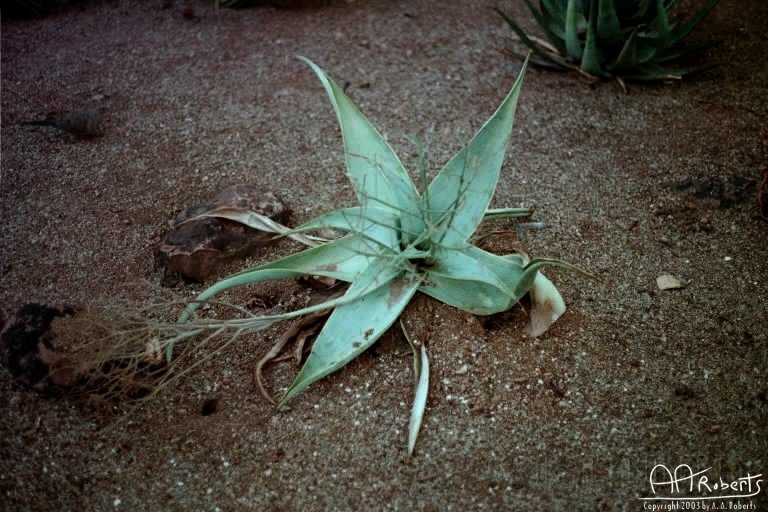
(378,176)
(258,221)
(591,59)
(481,295)
(484,299)
(608,26)
(464,265)
(355,326)
(341,259)
(634,52)
(376,224)
(460,194)
(554,13)
(572,43)
(663,35)
(474,280)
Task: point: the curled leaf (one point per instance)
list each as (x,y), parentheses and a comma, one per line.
(547,306)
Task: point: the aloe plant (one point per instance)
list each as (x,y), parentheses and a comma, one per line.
(399,242)
(628,39)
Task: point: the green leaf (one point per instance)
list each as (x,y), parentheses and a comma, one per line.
(608,26)
(664,37)
(549,58)
(634,53)
(355,326)
(572,43)
(253,220)
(379,178)
(506,213)
(341,259)
(379,225)
(552,29)
(531,268)
(474,280)
(462,190)
(591,61)
(554,11)
(465,265)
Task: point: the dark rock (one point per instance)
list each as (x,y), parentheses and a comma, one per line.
(27,349)
(196,248)
(714,191)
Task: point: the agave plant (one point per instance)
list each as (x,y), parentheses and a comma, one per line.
(399,242)
(628,39)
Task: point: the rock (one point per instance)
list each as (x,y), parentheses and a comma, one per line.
(714,191)
(668,282)
(78,351)
(196,248)
(27,348)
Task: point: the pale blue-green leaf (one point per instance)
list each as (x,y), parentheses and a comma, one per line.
(341,259)
(506,213)
(366,283)
(492,290)
(464,265)
(460,194)
(255,220)
(376,224)
(480,295)
(355,326)
(376,172)
(526,279)
(485,299)
(419,400)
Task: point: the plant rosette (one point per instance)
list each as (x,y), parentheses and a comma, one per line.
(399,242)
(625,39)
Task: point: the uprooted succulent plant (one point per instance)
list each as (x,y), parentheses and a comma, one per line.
(399,242)
(627,39)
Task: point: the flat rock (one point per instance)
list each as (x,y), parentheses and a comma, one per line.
(195,249)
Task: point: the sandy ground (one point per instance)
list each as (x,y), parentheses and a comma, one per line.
(629,378)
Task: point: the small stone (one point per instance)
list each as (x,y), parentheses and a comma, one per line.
(668,282)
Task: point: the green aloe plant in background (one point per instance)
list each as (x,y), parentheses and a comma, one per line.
(625,39)
(400,241)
